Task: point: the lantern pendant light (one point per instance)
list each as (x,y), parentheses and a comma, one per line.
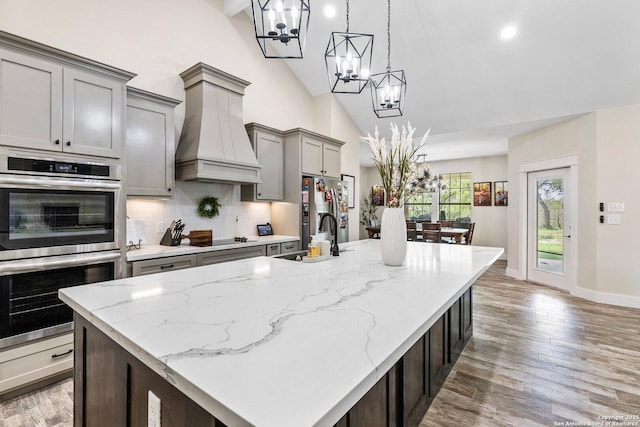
(348,60)
(281,27)
(388,89)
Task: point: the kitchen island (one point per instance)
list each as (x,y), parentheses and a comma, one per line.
(271,342)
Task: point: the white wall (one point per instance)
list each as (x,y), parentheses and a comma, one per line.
(618,175)
(491,221)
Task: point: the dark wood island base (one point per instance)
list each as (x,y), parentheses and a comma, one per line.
(111,385)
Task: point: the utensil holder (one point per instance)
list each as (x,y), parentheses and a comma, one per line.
(167,240)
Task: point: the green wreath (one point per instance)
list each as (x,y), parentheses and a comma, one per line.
(209,207)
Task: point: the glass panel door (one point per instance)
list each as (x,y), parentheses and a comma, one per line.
(548,228)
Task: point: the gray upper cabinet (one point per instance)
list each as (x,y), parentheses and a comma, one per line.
(53,100)
(268,145)
(150,144)
(320,155)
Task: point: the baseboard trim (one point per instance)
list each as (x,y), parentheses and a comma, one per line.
(607,298)
(512,272)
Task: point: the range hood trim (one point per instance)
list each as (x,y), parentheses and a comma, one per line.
(214,145)
(202,72)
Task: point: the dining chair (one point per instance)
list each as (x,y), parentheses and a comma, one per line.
(431,232)
(446,223)
(412,234)
(469,237)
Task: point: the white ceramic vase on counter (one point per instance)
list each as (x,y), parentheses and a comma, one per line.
(393,236)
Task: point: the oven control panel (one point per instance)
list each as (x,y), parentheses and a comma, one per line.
(52,166)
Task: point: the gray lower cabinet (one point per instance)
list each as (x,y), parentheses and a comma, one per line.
(273,249)
(159,265)
(215,257)
(288,247)
(29,364)
(52,100)
(268,146)
(150,144)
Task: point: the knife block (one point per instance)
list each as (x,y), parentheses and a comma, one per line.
(167,240)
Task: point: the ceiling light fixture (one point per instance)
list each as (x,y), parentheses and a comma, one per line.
(329,11)
(348,60)
(388,89)
(281,27)
(508,32)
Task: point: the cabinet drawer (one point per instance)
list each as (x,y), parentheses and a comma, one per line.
(26,364)
(216,257)
(288,247)
(140,268)
(273,249)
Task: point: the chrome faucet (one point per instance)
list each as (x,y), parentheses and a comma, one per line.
(333,229)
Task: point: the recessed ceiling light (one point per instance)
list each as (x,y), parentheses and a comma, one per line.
(508,32)
(329,11)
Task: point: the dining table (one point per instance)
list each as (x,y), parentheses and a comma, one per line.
(456,234)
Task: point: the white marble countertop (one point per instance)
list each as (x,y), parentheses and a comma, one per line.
(159,251)
(272,342)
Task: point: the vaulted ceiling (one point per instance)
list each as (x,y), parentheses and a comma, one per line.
(473,88)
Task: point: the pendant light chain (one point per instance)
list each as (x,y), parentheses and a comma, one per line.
(388,36)
(347,16)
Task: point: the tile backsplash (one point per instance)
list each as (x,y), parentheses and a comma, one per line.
(146,213)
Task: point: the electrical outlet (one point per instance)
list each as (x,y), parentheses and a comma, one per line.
(613,219)
(153,412)
(160,227)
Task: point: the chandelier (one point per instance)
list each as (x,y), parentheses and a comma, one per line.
(348,60)
(423,179)
(388,89)
(281,27)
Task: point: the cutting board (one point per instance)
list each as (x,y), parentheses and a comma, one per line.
(199,237)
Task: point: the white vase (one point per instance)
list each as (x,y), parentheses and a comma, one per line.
(393,236)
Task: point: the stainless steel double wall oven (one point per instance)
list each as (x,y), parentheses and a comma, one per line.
(59,227)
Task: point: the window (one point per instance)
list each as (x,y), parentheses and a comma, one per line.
(418,207)
(455,201)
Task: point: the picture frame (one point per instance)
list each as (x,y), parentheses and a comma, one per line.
(350,184)
(501,193)
(482,194)
(377,195)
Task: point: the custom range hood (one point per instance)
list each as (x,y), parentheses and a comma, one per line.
(214,146)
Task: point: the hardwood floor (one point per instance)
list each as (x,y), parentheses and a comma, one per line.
(537,357)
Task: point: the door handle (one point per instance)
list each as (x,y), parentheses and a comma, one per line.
(567,236)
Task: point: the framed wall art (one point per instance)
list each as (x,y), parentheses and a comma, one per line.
(350,184)
(501,193)
(482,194)
(377,195)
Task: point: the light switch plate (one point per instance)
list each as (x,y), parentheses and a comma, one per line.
(153,412)
(615,207)
(613,219)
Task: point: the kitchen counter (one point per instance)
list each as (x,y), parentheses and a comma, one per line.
(271,342)
(159,251)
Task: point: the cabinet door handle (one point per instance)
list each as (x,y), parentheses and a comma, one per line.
(68,142)
(164,267)
(57,142)
(55,356)
(168,189)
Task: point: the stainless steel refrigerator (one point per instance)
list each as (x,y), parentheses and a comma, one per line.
(323,195)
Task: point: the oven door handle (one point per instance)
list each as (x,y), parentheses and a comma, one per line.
(40,264)
(57,183)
